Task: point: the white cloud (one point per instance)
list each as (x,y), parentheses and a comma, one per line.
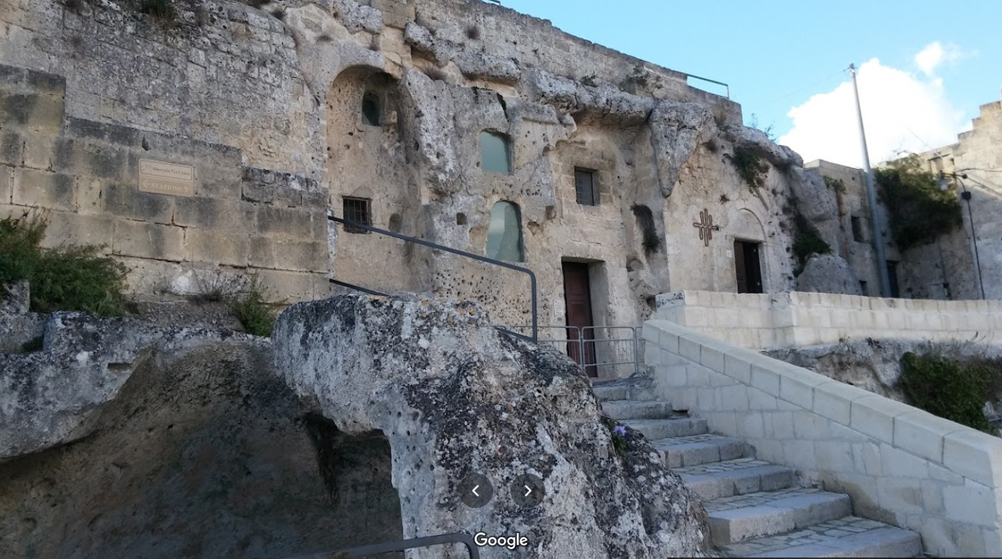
(936,54)
(900,112)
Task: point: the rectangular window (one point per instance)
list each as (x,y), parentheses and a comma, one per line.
(862,287)
(892,273)
(857,229)
(495,153)
(357,210)
(584,186)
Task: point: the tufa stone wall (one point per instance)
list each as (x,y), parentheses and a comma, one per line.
(976,155)
(82,177)
(268,110)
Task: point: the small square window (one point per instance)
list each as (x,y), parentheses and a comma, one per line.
(857,229)
(495,153)
(357,210)
(371,109)
(584,187)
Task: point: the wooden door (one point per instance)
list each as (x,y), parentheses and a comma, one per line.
(577,297)
(748,267)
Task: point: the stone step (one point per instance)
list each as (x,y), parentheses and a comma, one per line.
(681,426)
(609,393)
(734,477)
(678,452)
(849,536)
(741,517)
(628,409)
(637,390)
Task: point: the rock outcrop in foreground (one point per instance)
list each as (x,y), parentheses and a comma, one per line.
(454,396)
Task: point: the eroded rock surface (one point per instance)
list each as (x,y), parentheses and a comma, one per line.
(123,439)
(827,273)
(454,396)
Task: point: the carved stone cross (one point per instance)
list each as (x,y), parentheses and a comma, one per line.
(706,227)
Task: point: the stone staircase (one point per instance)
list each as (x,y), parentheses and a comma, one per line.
(756,509)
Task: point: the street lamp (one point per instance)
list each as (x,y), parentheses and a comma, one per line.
(965,195)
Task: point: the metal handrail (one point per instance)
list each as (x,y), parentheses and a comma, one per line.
(406,238)
(580,341)
(711,81)
(403,545)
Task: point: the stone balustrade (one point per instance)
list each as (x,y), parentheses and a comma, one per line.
(899,464)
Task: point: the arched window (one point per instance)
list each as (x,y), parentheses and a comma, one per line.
(371,109)
(504,237)
(495,153)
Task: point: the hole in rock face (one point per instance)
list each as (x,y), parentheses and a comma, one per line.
(395,223)
(460,219)
(208,455)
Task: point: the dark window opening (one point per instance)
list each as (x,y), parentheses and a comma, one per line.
(857,229)
(371,109)
(862,287)
(357,210)
(584,186)
(892,274)
(495,153)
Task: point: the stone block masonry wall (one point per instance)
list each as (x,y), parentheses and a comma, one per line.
(900,465)
(796,319)
(82,176)
(227,74)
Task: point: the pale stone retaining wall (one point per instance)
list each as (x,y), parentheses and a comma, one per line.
(899,464)
(777,320)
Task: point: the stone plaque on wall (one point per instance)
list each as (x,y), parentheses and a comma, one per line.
(166,178)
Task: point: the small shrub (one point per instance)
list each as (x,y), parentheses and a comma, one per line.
(919,211)
(74,278)
(256,315)
(952,389)
(618,433)
(835,184)
(724,199)
(589,80)
(324,38)
(750,166)
(645,218)
(161,9)
(639,76)
(720,116)
(473,32)
(807,241)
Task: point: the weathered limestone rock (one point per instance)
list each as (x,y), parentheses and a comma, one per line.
(52,397)
(122,439)
(20,330)
(454,396)
(827,273)
(675,131)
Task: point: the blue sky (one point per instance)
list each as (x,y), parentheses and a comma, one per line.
(777,54)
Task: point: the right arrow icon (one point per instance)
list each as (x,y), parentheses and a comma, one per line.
(527,490)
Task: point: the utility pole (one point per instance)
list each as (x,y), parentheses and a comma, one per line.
(871,196)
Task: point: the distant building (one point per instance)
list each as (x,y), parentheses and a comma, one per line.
(963,264)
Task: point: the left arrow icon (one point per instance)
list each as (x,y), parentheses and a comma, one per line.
(474,490)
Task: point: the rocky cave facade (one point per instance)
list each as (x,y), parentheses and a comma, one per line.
(425,118)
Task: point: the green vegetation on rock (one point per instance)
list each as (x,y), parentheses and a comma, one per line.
(953,389)
(75,278)
(919,210)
